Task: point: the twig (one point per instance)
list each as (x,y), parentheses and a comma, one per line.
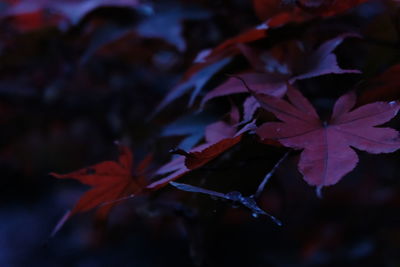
(196,189)
(234,196)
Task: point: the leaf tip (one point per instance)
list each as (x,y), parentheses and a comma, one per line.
(55,175)
(60,223)
(318,191)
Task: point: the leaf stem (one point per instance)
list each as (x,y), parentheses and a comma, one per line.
(262,185)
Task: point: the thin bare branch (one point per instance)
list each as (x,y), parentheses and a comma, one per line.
(237,197)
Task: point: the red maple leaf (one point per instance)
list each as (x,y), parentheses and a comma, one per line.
(327,155)
(282,65)
(275,14)
(220,136)
(195,82)
(209,62)
(194,159)
(112,181)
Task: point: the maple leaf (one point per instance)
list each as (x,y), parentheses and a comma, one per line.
(327,155)
(194,159)
(196,82)
(191,126)
(208,63)
(259,82)
(283,14)
(274,14)
(226,49)
(112,181)
(231,47)
(282,66)
(220,136)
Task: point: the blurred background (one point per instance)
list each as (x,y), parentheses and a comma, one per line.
(75,76)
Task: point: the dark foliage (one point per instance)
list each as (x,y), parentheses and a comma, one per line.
(199,133)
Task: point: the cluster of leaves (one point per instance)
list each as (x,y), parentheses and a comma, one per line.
(304,75)
(273,74)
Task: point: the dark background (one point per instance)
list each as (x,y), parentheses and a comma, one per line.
(68,90)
